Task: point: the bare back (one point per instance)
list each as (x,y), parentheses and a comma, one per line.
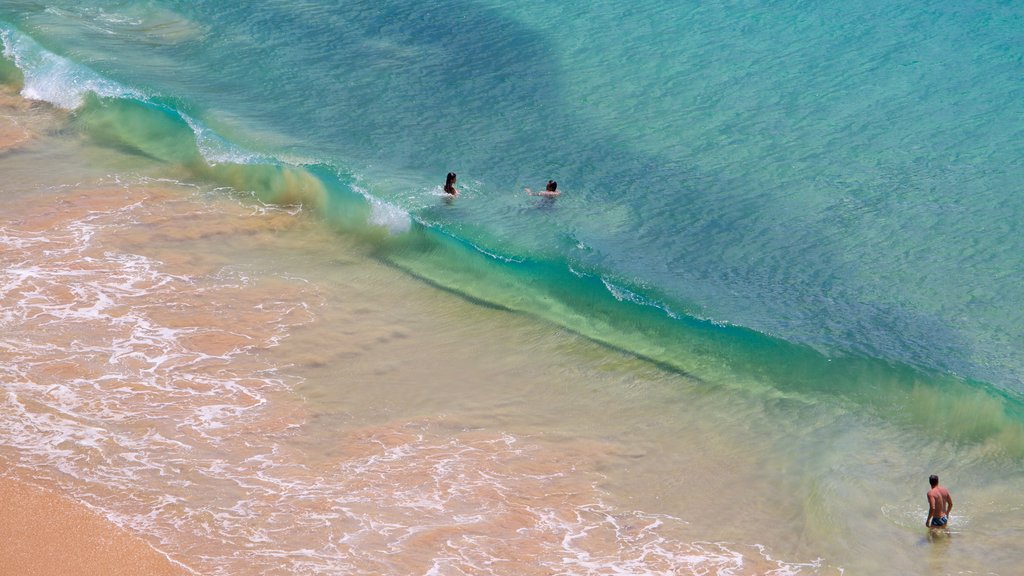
(939,502)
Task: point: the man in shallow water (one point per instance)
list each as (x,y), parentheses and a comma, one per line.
(939,504)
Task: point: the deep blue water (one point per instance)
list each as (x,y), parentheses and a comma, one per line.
(777,185)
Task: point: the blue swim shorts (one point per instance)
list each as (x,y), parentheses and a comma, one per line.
(939,522)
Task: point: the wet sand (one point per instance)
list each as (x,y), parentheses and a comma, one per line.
(44,534)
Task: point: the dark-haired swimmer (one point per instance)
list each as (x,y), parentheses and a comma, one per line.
(551,191)
(449,184)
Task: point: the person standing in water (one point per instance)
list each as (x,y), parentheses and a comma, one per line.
(449,184)
(939,504)
(551,191)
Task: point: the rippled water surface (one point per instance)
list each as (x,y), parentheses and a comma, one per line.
(841,177)
(780,287)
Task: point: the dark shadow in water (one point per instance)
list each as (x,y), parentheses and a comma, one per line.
(401,104)
(407,102)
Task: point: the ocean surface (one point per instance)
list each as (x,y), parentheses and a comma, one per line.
(783,283)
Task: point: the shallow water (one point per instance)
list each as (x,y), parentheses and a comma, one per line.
(253,392)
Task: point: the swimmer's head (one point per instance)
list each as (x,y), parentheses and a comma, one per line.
(933,480)
(552,186)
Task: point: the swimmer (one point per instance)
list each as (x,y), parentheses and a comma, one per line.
(551,191)
(449,184)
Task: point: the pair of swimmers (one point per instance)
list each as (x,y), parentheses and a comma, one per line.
(550,191)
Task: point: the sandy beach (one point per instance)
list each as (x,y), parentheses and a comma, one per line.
(45,534)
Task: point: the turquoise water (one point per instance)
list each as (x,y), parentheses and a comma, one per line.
(812,199)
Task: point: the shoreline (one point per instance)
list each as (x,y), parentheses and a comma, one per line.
(45,533)
(336,416)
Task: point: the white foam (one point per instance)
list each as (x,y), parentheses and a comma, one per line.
(55,79)
(388,216)
(215,149)
(625,295)
(63,83)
